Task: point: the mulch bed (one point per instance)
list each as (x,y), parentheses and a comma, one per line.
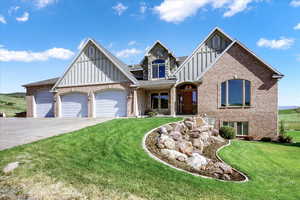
(209,152)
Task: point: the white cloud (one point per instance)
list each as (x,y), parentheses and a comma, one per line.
(23,18)
(128,53)
(295,3)
(143,7)
(282,43)
(178,10)
(297,27)
(13,9)
(119,8)
(131,43)
(44,3)
(81,43)
(110,45)
(1,45)
(2,19)
(28,56)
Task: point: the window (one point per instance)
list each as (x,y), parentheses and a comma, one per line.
(241,128)
(158,69)
(235,93)
(160,101)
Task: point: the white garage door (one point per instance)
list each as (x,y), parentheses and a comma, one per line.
(44,104)
(111,103)
(74,105)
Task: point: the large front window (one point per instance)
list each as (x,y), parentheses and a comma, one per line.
(158,69)
(235,93)
(159,101)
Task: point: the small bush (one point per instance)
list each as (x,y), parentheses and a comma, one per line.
(298,110)
(10,103)
(152,114)
(266,139)
(285,139)
(282,129)
(249,138)
(227,132)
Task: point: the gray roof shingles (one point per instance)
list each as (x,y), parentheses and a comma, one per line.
(51,81)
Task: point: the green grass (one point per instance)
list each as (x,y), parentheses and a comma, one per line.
(13,103)
(295,135)
(291,118)
(107,161)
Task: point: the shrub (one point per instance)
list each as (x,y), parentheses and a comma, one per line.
(298,110)
(10,103)
(152,114)
(266,139)
(282,129)
(227,132)
(285,139)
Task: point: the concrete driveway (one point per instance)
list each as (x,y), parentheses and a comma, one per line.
(18,131)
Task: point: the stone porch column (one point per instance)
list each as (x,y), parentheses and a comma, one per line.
(173,101)
(57,105)
(91,105)
(30,106)
(135,103)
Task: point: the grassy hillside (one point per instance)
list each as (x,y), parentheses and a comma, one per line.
(12,103)
(291,118)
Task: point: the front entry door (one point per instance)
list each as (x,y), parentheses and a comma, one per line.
(188,102)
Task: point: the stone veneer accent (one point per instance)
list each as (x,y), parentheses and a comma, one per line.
(237,63)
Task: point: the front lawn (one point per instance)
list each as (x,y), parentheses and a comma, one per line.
(107,161)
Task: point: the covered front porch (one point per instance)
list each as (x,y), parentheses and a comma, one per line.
(165,97)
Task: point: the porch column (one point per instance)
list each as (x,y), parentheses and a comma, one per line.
(173,101)
(135,103)
(57,105)
(30,106)
(91,105)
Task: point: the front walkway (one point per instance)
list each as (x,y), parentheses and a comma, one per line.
(18,131)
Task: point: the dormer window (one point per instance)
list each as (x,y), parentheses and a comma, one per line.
(158,69)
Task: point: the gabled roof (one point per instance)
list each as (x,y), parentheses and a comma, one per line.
(51,81)
(217,29)
(154,44)
(277,74)
(118,63)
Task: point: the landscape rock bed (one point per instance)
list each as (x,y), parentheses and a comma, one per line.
(191,145)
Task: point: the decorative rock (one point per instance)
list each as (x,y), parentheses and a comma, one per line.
(178,127)
(225,168)
(195,134)
(197,162)
(175,135)
(197,143)
(200,122)
(215,139)
(165,141)
(10,167)
(168,127)
(205,138)
(163,130)
(172,155)
(226,177)
(189,124)
(215,132)
(186,148)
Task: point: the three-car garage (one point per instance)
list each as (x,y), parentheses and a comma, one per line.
(106,103)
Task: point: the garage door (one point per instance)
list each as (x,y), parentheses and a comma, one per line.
(44,104)
(74,105)
(111,103)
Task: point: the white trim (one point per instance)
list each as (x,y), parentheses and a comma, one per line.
(182,170)
(200,45)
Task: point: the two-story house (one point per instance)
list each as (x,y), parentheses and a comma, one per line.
(221,78)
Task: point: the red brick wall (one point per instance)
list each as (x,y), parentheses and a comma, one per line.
(240,64)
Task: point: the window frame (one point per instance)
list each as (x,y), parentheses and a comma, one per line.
(158,65)
(159,100)
(227,93)
(236,127)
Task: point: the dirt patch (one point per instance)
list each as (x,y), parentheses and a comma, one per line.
(209,152)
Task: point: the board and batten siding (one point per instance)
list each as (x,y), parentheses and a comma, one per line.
(92,67)
(202,59)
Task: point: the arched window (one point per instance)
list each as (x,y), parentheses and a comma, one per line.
(235,92)
(158,69)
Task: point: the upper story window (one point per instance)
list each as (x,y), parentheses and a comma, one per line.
(235,93)
(158,69)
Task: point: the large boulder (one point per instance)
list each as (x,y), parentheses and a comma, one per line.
(200,122)
(194,133)
(215,132)
(215,139)
(10,167)
(165,141)
(176,135)
(225,168)
(185,147)
(174,155)
(189,124)
(197,161)
(163,130)
(205,137)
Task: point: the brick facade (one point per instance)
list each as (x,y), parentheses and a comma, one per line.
(237,63)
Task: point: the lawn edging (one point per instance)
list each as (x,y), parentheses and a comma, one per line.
(182,170)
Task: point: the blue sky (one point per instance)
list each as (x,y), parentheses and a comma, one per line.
(39,38)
